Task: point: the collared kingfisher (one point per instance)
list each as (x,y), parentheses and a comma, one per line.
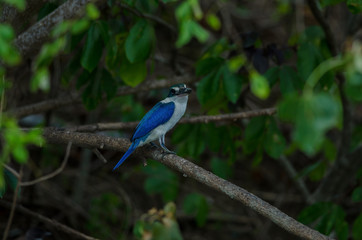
(159,120)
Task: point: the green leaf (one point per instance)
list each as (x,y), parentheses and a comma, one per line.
(8,53)
(161,180)
(92,94)
(19,4)
(313,212)
(20,153)
(316,115)
(79,26)
(254,134)
(208,86)
(272,75)
(342,230)
(40,80)
(188,29)
(109,84)
(221,168)
(288,108)
(92,51)
(199,32)
(313,115)
(310,168)
(235,63)
(208,65)
(197,205)
(308,59)
(92,11)
(357,194)
(132,74)
(289,80)
(232,85)
(326,216)
(140,41)
(274,143)
(353,86)
(326,3)
(213,21)
(259,85)
(357,228)
(330,150)
(354,6)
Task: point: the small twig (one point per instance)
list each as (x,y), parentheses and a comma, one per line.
(148,16)
(51,222)
(99,155)
(230,116)
(74,98)
(53,174)
(294,176)
(327,30)
(198,119)
(13,205)
(12,170)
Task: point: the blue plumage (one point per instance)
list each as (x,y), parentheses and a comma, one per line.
(158,115)
(159,120)
(130,150)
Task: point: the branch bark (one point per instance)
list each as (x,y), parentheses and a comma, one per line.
(191,170)
(198,119)
(31,39)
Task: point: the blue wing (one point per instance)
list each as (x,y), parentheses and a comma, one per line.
(159,114)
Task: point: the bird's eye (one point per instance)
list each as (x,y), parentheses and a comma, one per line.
(173,91)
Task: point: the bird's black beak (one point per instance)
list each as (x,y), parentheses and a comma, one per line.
(186,90)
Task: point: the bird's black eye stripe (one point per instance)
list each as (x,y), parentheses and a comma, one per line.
(173,90)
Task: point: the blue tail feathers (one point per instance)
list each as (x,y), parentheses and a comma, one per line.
(126,155)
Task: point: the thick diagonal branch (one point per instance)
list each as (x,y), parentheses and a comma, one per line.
(191,170)
(37,34)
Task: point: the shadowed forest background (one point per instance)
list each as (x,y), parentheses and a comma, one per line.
(275,109)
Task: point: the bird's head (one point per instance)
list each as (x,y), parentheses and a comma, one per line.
(179,90)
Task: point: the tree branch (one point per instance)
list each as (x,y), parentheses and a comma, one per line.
(148,16)
(74,98)
(13,205)
(53,174)
(53,223)
(191,170)
(39,32)
(327,30)
(336,179)
(294,176)
(198,119)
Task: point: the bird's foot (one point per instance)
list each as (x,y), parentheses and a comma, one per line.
(168,152)
(154,145)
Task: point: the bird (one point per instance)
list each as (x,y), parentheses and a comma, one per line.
(159,120)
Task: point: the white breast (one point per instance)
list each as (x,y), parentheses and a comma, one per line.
(180,108)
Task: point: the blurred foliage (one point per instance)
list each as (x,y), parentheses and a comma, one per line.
(15,144)
(161,180)
(158,224)
(326,217)
(196,204)
(104,216)
(105,52)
